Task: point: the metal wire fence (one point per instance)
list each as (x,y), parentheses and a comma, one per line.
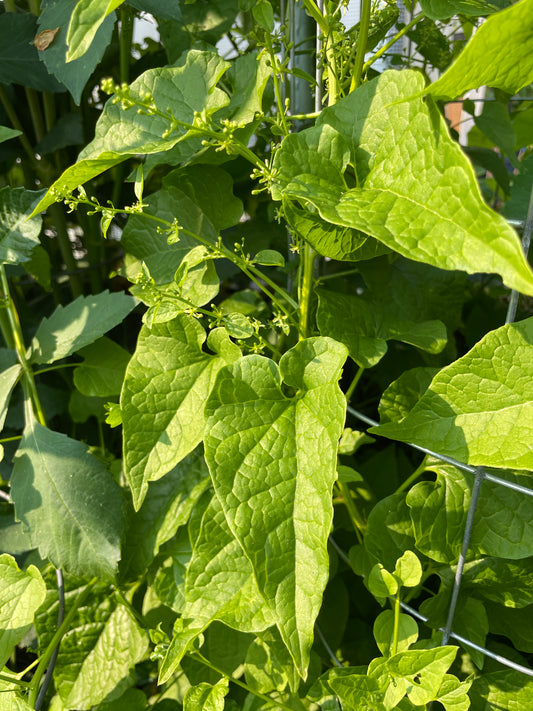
(480,475)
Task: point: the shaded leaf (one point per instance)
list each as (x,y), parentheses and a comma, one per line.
(78,324)
(443,9)
(7,134)
(68,502)
(103,368)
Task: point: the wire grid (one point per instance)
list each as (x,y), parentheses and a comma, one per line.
(480,475)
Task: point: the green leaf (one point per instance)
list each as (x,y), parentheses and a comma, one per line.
(220,582)
(86,19)
(507,582)
(74,75)
(78,324)
(167,506)
(443,9)
(167,382)
(408,569)
(269,258)
(103,368)
(131,700)
(357,691)
(424,670)
(19,58)
(479,409)
(453,694)
(515,624)
(121,134)
(273,463)
(97,652)
(496,124)
(68,502)
(268,665)
(264,15)
(7,134)
(39,266)
(249,74)
(428,208)
(384,632)
(403,394)
(497,55)
(21,594)
(364,327)
(503,525)
(10,699)
(389,530)
(210,188)
(505,689)
(143,238)
(206,696)
(381,583)
(18,235)
(8,380)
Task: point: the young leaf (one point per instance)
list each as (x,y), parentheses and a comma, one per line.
(21,594)
(85,21)
(68,502)
(121,133)
(206,697)
(384,632)
(74,75)
(453,694)
(273,463)
(18,235)
(75,326)
(167,382)
(381,583)
(408,569)
(427,208)
(7,134)
(479,409)
(497,55)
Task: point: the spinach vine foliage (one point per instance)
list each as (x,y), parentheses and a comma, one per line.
(224,534)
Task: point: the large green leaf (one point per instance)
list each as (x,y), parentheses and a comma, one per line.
(479,409)
(167,506)
(74,75)
(504,689)
(78,324)
(507,582)
(19,58)
(358,691)
(87,17)
(21,594)
(498,54)
(249,74)
(167,382)
(97,652)
(416,191)
(18,235)
(503,525)
(424,671)
(68,502)
(10,699)
(187,88)
(365,328)
(272,459)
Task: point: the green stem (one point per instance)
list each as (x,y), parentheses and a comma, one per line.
(306,289)
(275,78)
(36,113)
(10,439)
(358,522)
(354,382)
(364,24)
(414,476)
(13,679)
(20,348)
(56,639)
(392,41)
(396,631)
(15,122)
(200,658)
